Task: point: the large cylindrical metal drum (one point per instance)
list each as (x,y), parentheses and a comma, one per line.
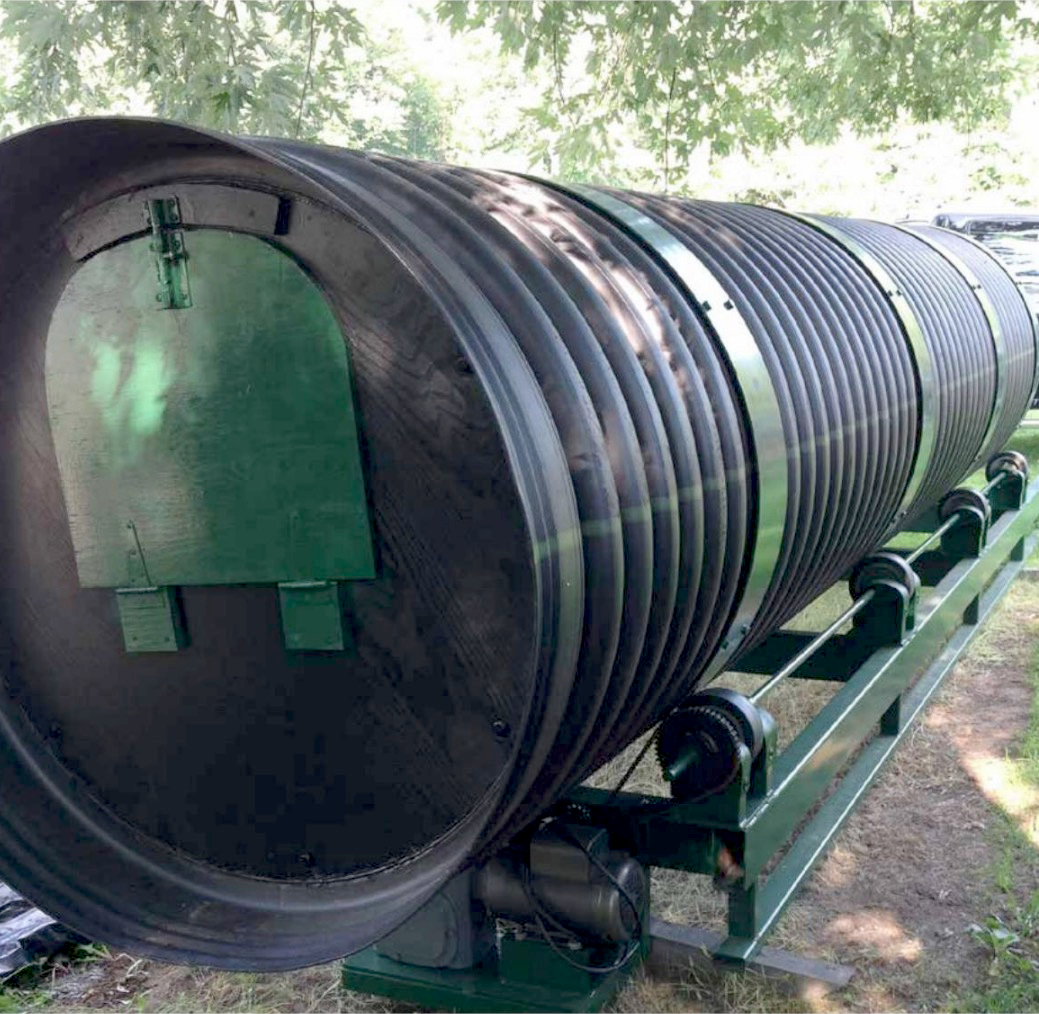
(353,508)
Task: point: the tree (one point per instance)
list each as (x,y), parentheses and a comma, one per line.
(627,93)
(731,75)
(385,105)
(291,69)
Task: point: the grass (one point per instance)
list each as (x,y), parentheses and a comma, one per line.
(1026,763)
(90,977)
(32,987)
(1010,931)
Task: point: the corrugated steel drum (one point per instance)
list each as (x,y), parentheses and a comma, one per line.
(609,441)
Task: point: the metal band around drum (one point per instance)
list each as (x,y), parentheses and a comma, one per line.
(914,337)
(1031,314)
(744,358)
(989,310)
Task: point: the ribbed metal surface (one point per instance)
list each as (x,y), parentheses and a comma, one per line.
(959,341)
(843,375)
(701,415)
(1016,320)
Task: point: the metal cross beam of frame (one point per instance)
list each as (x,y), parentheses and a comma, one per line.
(675,949)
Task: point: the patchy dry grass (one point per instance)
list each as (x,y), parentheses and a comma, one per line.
(113,982)
(1009,932)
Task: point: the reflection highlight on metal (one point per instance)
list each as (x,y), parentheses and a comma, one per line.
(764,422)
(921,355)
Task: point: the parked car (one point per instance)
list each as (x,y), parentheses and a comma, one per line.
(1013,237)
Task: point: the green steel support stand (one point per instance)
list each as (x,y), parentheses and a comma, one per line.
(899,631)
(737,833)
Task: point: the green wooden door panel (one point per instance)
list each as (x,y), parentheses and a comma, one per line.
(215,444)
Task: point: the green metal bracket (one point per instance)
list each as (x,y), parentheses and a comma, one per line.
(150,615)
(889,618)
(171,256)
(1010,493)
(966,540)
(151,619)
(311,616)
(966,516)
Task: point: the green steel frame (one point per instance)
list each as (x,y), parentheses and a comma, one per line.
(898,634)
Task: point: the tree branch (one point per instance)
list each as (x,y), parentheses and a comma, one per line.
(667,132)
(558,73)
(308,72)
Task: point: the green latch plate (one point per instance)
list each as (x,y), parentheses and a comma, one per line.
(311,616)
(174,292)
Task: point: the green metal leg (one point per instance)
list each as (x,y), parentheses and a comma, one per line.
(972,614)
(743,910)
(758,908)
(891,720)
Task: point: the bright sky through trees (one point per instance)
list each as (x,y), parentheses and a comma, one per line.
(684,96)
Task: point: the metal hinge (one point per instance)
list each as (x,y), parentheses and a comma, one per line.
(150,616)
(171,257)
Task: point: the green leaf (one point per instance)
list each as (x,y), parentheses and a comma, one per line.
(752,75)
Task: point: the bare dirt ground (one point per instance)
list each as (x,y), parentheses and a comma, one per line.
(947,832)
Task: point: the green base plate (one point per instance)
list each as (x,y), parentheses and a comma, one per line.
(482,988)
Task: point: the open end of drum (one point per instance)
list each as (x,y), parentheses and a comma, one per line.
(269,607)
